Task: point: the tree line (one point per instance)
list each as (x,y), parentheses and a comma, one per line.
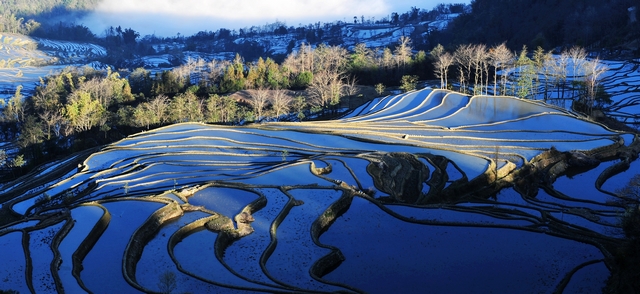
(83,107)
(481,70)
(124,51)
(87,107)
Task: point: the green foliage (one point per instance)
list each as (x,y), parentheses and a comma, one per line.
(409,83)
(169,83)
(380,88)
(125,116)
(84,112)
(16,25)
(299,104)
(31,132)
(14,110)
(602,97)
(302,80)
(526,74)
(212,112)
(18,161)
(233,79)
(141,82)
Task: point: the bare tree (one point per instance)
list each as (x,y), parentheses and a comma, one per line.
(578,57)
(403,51)
(478,58)
(593,70)
(259,101)
(329,58)
(464,58)
(443,60)
(327,84)
(304,59)
(386,58)
(351,86)
(545,63)
(100,89)
(501,59)
(158,106)
(280,102)
(560,64)
(215,70)
(52,119)
(326,88)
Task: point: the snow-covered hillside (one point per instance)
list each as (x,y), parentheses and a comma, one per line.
(24,60)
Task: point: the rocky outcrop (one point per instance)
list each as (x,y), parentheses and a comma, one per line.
(401,175)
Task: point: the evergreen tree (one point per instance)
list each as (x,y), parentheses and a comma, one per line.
(526,75)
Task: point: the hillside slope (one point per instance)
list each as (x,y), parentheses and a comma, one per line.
(400,194)
(548,23)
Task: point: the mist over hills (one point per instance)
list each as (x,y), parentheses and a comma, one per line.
(593,24)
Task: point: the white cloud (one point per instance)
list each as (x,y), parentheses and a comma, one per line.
(168,17)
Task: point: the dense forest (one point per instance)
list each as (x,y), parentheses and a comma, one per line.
(41,10)
(546,23)
(81,108)
(51,18)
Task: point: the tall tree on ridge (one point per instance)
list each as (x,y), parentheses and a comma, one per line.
(443,60)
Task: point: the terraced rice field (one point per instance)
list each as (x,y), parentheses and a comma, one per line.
(622,82)
(71,51)
(19,51)
(398,196)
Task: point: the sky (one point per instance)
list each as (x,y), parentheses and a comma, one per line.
(187,17)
